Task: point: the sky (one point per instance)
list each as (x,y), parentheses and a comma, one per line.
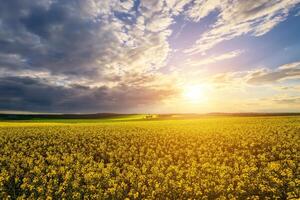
(149,56)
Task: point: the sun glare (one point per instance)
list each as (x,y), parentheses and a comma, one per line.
(194,93)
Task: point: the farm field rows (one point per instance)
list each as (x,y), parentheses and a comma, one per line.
(205,158)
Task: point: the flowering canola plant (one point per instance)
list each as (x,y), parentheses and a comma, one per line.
(207,158)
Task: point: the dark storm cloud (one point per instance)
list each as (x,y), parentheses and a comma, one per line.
(27,94)
(53,36)
(54,54)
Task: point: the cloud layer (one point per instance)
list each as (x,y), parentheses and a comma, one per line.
(24,93)
(236,18)
(284,72)
(56,55)
(110,55)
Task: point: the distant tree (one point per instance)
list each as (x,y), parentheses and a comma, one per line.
(149,116)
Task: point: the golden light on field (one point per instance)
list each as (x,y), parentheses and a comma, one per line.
(194,93)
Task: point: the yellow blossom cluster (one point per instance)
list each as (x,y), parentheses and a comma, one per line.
(209,158)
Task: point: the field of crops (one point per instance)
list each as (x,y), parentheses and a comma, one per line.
(207,158)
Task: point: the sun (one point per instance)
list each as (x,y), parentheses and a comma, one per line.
(194,93)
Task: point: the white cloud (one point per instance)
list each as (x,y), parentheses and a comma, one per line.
(176,6)
(201,8)
(237,18)
(265,76)
(293,88)
(290,65)
(287,100)
(260,77)
(214,59)
(159,23)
